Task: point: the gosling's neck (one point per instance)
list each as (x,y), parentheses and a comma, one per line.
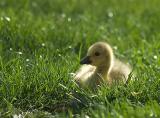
(104,69)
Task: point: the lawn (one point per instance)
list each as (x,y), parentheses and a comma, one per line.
(42,42)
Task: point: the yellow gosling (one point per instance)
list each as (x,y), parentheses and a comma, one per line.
(99,66)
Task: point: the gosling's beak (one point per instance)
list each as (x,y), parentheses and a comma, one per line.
(85,60)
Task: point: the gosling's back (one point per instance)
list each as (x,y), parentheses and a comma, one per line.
(120,71)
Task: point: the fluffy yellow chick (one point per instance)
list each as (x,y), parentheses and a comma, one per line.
(99,66)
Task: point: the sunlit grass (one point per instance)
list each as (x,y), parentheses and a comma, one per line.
(41,43)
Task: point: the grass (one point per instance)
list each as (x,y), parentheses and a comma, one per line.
(41,42)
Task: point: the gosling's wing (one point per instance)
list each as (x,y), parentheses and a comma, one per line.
(84,71)
(120,71)
(83,75)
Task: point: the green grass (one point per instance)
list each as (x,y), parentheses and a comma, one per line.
(42,41)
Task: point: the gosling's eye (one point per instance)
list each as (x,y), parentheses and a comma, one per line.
(97,53)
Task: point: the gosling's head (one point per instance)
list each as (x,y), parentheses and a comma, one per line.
(99,54)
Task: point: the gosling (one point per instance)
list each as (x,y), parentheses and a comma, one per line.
(100,65)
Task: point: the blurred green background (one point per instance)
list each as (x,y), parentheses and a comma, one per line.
(42,41)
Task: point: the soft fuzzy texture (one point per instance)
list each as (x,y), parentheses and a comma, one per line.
(100,65)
